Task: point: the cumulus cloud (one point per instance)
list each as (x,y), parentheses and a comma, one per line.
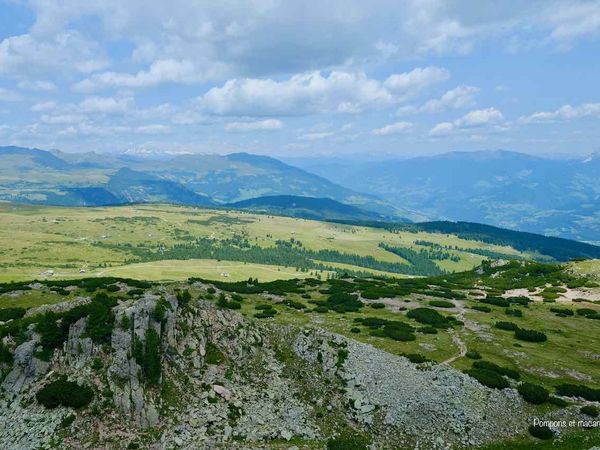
(43,106)
(393,128)
(105,105)
(473,119)
(259,125)
(64,53)
(565,112)
(161,71)
(153,129)
(316,136)
(312,92)
(418,78)
(459,97)
(37,85)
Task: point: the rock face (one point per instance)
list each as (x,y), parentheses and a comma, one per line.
(194,376)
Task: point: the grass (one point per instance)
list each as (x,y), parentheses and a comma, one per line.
(34,239)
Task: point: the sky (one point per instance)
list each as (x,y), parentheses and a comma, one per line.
(313,78)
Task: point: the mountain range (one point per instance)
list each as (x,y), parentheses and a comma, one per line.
(503,188)
(88,179)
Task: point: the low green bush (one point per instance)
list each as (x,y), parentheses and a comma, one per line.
(441,304)
(513,312)
(508,326)
(533,393)
(428,316)
(487,365)
(472,354)
(589,410)
(416,358)
(578,390)
(377,305)
(62,392)
(541,432)
(488,378)
(557,401)
(7,314)
(482,308)
(530,335)
(496,301)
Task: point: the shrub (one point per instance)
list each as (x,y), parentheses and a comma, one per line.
(508,326)
(148,355)
(377,305)
(100,318)
(533,393)
(496,301)
(7,314)
(482,308)
(224,303)
(160,310)
(486,365)
(488,378)
(541,432)
(441,303)
(589,410)
(521,300)
(578,390)
(112,288)
(557,401)
(415,358)
(428,316)
(321,309)
(355,330)
(65,393)
(5,354)
(562,311)
(184,298)
(428,330)
(513,312)
(472,354)
(530,335)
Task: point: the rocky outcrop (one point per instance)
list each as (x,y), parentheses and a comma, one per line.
(194,376)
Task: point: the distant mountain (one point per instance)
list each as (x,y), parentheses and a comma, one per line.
(306,208)
(502,188)
(85,179)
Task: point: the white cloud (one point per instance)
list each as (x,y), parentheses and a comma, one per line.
(565,112)
(393,128)
(459,97)
(43,106)
(259,125)
(8,96)
(416,79)
(37,85)
(66,53)
(473,119)
(161,71)
(105,105)
(309,93)
(316,136)
(153,129)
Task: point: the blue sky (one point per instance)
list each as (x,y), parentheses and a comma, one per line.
(382,78)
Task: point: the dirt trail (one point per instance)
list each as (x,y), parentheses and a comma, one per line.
(462,348)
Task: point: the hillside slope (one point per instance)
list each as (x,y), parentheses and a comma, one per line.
(306,208)
(41,177)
